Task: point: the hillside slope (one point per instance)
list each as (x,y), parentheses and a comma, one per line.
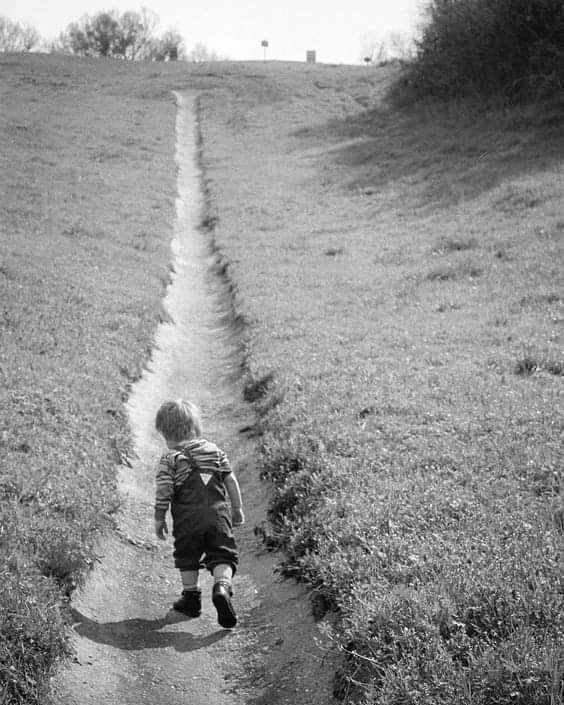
(401,277)
(399,280)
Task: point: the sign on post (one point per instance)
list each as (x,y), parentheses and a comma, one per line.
(310,56)
(264,45)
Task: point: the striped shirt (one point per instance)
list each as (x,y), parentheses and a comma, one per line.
(174,469)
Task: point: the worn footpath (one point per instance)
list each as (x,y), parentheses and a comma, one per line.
(130,647)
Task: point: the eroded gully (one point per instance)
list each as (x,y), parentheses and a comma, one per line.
(130,648)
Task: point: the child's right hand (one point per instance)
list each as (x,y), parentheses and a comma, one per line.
(161,528)
(238,517)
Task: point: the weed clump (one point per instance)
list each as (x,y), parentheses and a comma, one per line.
(526,366)
(257,388)
(455,244)
(455,272)
(555,368)
(32,639)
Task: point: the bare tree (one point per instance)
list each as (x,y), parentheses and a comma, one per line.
(401,46)
(377,49)
(17,37)
(109,34)
(200,53)
(373,49)
(95,36)
(59,45)
(137,30)
(169,47)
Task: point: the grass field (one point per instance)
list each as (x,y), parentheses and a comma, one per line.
(400,276)
(83,269)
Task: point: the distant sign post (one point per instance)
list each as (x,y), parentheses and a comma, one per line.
(310,56)
(264,45)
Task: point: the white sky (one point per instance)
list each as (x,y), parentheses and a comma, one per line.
(336,29)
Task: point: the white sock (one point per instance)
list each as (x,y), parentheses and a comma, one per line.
(222,573)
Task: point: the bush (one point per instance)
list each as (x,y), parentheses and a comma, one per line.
(489,47)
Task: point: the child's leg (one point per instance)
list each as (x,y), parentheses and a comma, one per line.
(221,560)
(189,579)
(190,602)
(223,573)
(221,595)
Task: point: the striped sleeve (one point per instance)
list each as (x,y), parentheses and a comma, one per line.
(224,466)
(164,489)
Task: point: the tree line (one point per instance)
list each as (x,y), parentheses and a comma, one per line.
(110,34)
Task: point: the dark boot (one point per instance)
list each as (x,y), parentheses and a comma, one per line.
(190,603)
(221,598)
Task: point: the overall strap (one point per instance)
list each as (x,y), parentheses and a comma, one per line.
(190,458)
(182,455)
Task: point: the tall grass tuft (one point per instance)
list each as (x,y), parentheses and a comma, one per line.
(32,638)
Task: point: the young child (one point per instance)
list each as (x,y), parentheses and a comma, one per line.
(195,480)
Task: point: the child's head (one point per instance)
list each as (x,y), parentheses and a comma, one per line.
(178,421)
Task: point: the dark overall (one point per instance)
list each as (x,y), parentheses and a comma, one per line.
(201,516)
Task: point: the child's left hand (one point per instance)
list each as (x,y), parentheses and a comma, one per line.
(161,528)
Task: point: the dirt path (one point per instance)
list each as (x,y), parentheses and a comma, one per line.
(130,647)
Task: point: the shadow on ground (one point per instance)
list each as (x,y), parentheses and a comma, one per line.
(444,154)
(136,634)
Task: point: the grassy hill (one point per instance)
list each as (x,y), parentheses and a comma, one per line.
(399,275)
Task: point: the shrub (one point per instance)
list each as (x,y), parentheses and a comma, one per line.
(490,47)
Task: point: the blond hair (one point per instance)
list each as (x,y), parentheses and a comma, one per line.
(178,420)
